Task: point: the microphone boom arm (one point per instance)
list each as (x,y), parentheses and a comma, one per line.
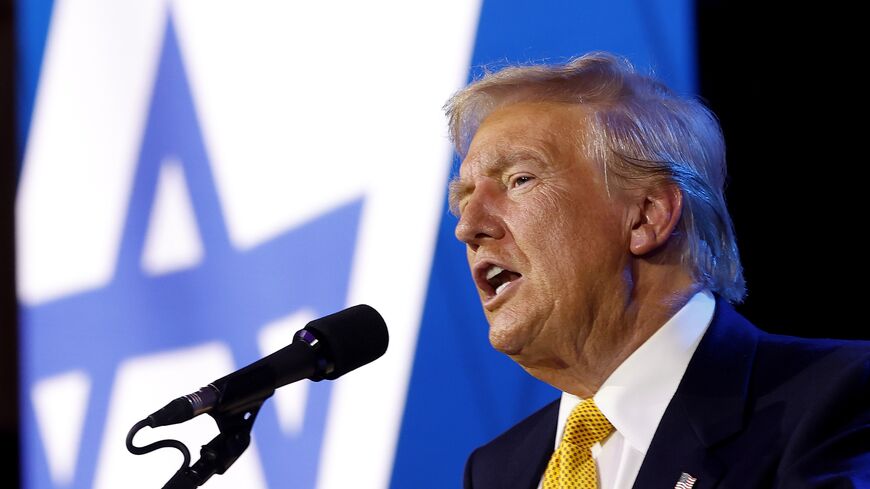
(223,450)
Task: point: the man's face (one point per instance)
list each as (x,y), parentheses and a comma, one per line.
(546,245)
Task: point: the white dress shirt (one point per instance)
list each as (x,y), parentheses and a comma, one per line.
(636,394)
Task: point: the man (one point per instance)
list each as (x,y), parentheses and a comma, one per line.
(591,202)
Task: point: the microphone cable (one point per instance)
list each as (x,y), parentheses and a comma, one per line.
(170,443)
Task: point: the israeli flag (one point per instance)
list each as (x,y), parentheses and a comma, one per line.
(201,178)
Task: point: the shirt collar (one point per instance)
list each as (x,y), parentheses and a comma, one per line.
(636,394)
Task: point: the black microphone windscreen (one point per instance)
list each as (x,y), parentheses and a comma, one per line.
(352,337)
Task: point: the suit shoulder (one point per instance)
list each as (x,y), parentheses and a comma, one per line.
(797,354)
(812,371)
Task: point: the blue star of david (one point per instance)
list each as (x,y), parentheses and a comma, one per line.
(227,297)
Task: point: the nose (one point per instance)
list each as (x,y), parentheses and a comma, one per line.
(480,219)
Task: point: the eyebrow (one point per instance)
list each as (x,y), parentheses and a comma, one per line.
(457,190)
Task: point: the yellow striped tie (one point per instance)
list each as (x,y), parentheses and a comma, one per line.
(571,465)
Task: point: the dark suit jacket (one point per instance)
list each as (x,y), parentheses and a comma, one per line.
(753,410)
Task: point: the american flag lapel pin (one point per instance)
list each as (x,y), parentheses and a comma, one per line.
(686,481)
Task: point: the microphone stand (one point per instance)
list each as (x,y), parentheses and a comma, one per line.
(221,452)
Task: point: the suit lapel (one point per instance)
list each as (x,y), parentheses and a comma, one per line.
(529,458)
(707,407)
(518,457)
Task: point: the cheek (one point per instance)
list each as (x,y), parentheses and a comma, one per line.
(547,209)
(555,245)
(568,237)
(559,222)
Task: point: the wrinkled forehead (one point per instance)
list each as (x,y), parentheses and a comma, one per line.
(547,131)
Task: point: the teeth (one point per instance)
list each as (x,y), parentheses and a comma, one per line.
(495,270)
(501,287)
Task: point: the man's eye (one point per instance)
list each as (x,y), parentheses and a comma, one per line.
(520,180)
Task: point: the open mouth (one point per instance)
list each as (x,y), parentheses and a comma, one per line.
(494,279)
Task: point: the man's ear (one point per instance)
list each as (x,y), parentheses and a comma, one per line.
(659,213)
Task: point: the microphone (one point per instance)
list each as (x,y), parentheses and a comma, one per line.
(325,348)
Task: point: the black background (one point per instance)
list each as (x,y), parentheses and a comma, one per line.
(784,83)
(9,465)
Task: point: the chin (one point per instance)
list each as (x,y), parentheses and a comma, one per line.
(505,341)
